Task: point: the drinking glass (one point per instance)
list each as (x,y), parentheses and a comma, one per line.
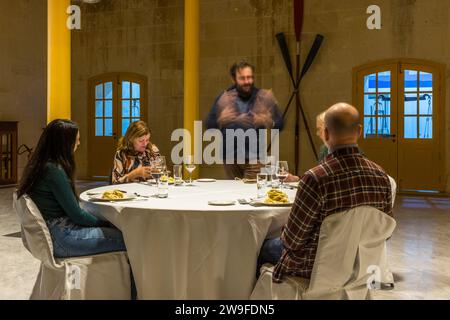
(157,169)
(163,187)
(190,167)
(162,160)
(178,174)
(282,171)
(271,177)
(261,185)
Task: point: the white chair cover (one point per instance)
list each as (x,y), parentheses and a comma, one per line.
(350,254)
(104,276)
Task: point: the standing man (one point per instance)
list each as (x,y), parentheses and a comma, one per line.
(344,180)
(243,106)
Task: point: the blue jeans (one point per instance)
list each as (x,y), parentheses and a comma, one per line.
(270,252)
(71,240)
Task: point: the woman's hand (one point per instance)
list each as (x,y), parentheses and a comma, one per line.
(141,172)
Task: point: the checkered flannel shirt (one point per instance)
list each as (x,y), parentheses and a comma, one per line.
(344,180)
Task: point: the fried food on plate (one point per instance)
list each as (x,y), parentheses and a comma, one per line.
(113,195)
(275,196)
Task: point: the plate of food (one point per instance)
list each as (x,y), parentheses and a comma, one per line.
(163,179)
(113,195)
(206,180)
(275,198)
(171,180)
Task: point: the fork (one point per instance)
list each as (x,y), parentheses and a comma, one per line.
(141,196)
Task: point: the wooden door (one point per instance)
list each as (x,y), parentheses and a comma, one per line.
(401,102)
(115,101)
(377,103)
(419,159)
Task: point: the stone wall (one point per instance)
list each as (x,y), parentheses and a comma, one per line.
(23,68)
(139,36)
(147,37)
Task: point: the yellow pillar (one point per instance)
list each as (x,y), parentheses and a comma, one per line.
(191,68)
(58,61)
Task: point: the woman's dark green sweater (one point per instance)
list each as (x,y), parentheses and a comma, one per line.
(54,197)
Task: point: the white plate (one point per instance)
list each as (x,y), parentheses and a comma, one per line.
(153,181)
(263,204)
(222,202)
(99,197)
(206,180)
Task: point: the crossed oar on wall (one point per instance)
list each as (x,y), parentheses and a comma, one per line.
(298,21)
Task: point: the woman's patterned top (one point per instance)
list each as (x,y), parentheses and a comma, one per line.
(125,163)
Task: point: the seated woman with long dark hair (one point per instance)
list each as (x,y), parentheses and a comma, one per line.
(49,180)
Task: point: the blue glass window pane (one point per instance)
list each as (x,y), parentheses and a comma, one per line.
(136,91)
(369,104)
(384,81)
(426,81)
(426,104)
(99,91)
(426,127)
(136,108)
(369,127)
(108,90)
(99,127)
(384,126)
(410,104)
(126,90)
(410,127)
(108,128)
(411,77)
(384,104)
(126,109)
(108,108)
(370,83)
(98,109)
(135,120)
(125,125)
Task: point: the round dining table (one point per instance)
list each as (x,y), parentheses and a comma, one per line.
(183,248)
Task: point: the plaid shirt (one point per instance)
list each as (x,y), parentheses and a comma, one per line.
(344,180)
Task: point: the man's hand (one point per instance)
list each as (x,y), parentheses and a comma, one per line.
(262,120)
(292,178)
(245,120)
(227,116)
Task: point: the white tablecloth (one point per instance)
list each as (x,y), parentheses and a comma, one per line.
(183,248)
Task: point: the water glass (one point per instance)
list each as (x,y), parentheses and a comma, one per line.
(261,185)
(163,188)
(272,180)
(178,174)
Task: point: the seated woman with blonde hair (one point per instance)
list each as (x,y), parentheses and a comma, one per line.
(135,152)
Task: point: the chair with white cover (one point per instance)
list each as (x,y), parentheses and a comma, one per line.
(351,257)
(97,277)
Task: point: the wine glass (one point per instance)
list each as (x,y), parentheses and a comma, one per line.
(282,172)
(157,168)
(162,160)
(190,167)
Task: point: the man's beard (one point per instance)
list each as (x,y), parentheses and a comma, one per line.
(243,94)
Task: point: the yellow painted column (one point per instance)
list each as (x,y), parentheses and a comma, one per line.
(58,61)
(191,69)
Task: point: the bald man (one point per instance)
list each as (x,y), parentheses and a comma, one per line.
(344,180)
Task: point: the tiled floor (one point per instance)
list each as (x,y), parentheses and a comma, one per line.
(419,251)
